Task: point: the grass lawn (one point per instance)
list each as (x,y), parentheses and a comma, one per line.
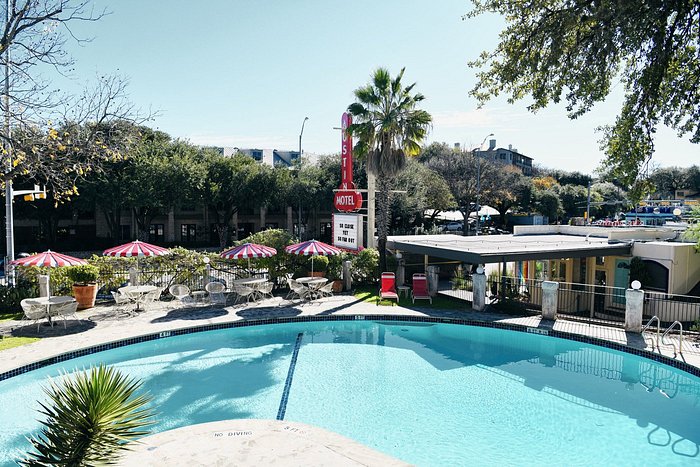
(9,342)
(440,302)
(7,316)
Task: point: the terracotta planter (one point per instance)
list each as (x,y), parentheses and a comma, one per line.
(85,295)
(337,286)
(317,274)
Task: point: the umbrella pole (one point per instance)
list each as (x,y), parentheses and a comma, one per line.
(312,265)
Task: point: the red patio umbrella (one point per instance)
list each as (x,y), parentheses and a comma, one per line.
(312,248)
(249,250)
(49,259)
(136,249)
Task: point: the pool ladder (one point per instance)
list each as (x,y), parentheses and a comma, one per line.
(655,342)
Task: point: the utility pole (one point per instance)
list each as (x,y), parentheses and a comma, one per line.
(588,204)
(9,239)
(300,135)
(478,184)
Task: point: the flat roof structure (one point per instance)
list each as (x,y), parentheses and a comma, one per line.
(499,248)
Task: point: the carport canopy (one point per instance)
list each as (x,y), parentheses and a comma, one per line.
(507,248)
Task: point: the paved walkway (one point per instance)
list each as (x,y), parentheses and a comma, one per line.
(103,324)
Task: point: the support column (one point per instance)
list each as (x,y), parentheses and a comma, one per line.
(44,287)
(347,276)
(590,281)
(634,307)
(479,289)
(263,214)
(290,220)
(171,225)
(550,299)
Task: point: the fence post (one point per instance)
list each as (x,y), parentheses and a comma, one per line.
(133,276)
(44,285)
(634,306)
(347,276)
(550,299)
(479,289)
(433,276)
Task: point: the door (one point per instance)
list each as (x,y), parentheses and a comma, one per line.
(622,280)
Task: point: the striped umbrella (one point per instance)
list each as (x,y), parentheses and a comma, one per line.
(49,259)
(136,249)
(312,248)
(249,250)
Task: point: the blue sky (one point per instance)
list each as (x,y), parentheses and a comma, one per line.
(246,73)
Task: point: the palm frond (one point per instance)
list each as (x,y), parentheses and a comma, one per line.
(90,418)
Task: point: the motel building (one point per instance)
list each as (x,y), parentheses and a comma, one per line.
(591,265)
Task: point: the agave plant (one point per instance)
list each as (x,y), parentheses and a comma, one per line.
(90,419)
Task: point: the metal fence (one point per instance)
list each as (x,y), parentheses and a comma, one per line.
(670,308)
(516,291)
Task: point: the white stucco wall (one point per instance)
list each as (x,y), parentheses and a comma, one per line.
(681,260)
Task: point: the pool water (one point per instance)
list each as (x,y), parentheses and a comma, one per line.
(429,394)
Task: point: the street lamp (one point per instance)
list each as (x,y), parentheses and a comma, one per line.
(300,135)
(478,183)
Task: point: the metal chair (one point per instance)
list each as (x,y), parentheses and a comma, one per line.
(182,293)
(296,289)
(121,301)
(265,290)
(326,290)
(34,311)
(216,292)
(244,291)
(63,310)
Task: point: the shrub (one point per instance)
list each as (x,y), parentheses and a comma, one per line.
(365,266)
(280,264)
(335,266)
(28,277)
(11,296)
(83,274)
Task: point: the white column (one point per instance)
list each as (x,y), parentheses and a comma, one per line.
(479,289)
(550,299)
(44,287)
(634,307)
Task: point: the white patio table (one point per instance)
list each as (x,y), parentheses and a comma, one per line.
(49,301)
(137,293)
(313,284)
(252,282)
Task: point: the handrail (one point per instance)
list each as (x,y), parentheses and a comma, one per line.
(680,339)
(658,331)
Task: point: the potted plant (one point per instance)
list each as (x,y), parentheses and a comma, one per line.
(320,265)
(84,279)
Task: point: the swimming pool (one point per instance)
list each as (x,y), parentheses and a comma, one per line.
(426,393)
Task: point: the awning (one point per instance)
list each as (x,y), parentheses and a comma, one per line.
(506,248)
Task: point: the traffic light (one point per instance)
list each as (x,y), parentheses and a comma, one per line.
(29,197)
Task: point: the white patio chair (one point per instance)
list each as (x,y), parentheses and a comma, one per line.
(243,291)
(33,311)
(265,290)
(65,309)
(297,290)
(182,293)
(148,299)
(216,292)
(326,290)
(121,301)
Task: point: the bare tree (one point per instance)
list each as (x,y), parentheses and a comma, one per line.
(51,137)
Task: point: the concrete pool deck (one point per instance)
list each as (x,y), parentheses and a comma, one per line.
(102,324)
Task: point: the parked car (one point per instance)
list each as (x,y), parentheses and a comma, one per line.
(453,226)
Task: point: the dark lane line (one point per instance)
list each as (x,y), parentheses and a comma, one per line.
(290,375)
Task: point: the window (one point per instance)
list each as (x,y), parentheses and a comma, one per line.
(326,232)
(156,233)
(257,154)
(188,233)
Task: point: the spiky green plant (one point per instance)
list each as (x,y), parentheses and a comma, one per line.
(90,419)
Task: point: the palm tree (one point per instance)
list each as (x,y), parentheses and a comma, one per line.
(389,128)
(91,419)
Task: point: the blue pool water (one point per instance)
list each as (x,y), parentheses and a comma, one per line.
(429,394)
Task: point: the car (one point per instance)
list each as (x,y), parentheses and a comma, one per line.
(453,227)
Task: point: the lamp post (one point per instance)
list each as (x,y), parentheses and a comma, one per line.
(478,183)
(301,133)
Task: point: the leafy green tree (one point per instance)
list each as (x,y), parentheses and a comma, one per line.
(575,50)
(548,204)
(669,179)
(574,199)
(467,176)
(510,189)
(90,419)
(231,184)
(388,127)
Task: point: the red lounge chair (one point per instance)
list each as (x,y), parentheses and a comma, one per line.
(420,288)
(388,289)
